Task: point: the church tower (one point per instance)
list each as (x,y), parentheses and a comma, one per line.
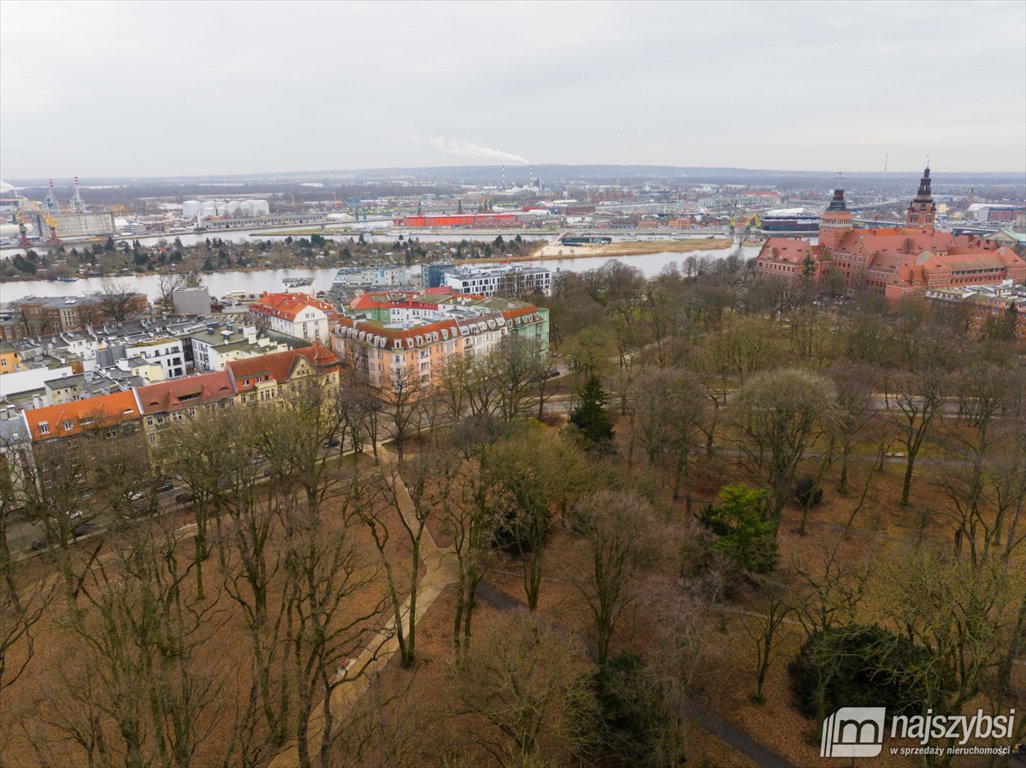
(835,221)
(922,211)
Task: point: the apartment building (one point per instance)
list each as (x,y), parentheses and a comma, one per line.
(406,338)
(514,280)
(294,314)
(217,345)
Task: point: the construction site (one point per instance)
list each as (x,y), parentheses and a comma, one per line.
(47,222)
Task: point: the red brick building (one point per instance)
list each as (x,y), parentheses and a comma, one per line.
(895,261)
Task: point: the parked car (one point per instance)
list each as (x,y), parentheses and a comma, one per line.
(38,544)
(334,442)
(83,528)
(183,498)
(164,487)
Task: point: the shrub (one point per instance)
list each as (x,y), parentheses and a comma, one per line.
(631,717)
(808,492)
(859,666)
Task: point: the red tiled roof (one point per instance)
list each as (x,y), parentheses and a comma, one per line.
(77,416)
(177,394)
(279,365)
(890,249)
(788,249)
(289,305)
(382,299)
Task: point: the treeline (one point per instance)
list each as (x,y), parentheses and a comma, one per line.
(216,254)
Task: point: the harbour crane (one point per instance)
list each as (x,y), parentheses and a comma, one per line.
(51,223)
(23,240)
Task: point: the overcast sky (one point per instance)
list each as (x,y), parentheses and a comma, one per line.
(104,89)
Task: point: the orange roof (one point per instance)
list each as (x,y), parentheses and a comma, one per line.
(278,365)
(289,305)
(177,394)
(789,249)
(892,248)
(77,416)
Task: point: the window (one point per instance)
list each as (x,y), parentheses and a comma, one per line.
(68,424)
(44,428)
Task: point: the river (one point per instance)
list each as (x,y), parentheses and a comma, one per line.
(220,283)
(255,235)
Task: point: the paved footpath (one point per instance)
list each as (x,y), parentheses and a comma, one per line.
(440,565)
(441,572)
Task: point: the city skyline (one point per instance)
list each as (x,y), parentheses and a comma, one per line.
(232,89)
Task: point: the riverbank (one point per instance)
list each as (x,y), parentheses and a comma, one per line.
(626,248)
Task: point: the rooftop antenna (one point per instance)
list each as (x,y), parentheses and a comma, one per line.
(77,203)
(503,177)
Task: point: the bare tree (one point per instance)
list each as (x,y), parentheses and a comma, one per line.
(531,475)
(668,413)
(918,399)
(325,576)
(678,654)
(829,591)
(965,615)
(521,679)
(167,284)
(614,524)
(55,485)
(117,302)
(778,413)
(468,516)
(516,366)
(199,452)
(403,408)
(855,411)
(410,492)
(19,614)
(137,693)
(775,605)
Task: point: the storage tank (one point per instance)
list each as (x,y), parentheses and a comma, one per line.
(209,208)
(232,207)
(190,208)
(256,207)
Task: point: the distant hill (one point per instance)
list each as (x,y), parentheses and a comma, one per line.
(594,174)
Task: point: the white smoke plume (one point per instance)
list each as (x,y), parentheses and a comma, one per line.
(469,149)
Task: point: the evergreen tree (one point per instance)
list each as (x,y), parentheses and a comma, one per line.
(743,527)
(591,417)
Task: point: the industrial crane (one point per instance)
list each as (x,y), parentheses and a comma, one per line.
(44,217)
(23,240)
(51,223)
